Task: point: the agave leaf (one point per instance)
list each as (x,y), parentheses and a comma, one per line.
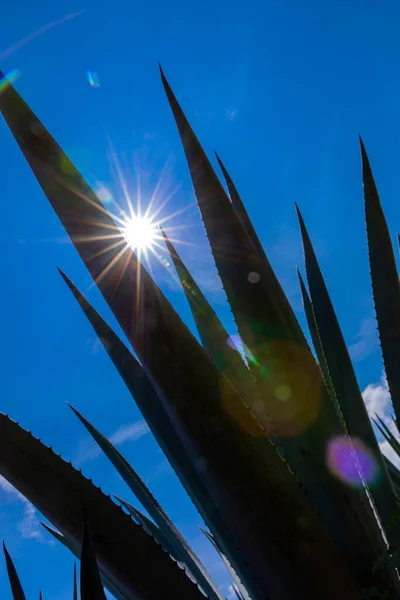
(295,404)
(235,255)
(395,477)
(255,502)
(91,585)
(157,513)
(128,556)
(387,434)
(40,595)
(15,584)
(213,335)
(75,584)
(240,209)
(338,367)
(313,328)
(241,212)
(237,592)
(150,527)
(385,282)
(76,550)
(240,589)
(146,397)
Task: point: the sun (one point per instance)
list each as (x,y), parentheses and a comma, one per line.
(140,233)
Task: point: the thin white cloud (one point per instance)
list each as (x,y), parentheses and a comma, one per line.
(131,432)
(378,402)
(366,340)
(89,450)
(28,526)
(232,114)
(231,593)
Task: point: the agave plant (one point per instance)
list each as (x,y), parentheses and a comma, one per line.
(247,435)
(91,587)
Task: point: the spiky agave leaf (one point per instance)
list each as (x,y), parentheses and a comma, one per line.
(40,595)
(127,554)
(338,370)
(254,502)
(395,476)
(294,396)
(145,396)
(151,527)
(90,583)
(76,551)
(241,211)
(235,578)
(15,584)
(157,513)
(213,335)
(385,281)
(387,434)
(217,430)
(75,597)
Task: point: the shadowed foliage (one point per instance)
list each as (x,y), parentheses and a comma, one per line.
(248,439)
(15,584)
(385,281)
(214,337)
(339,373)
(157,513)
(126,553)
(91,586)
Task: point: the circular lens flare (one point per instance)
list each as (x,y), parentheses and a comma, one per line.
(140,233)
(341,454)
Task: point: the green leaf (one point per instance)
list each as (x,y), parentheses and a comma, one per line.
(295,408)
(150,527)
(387,434)
(385,282)
(338,371)
(75,584)
(146,398)
(239,588)
(313,329)
(254,502)
(157,513)
(213,335)
(76,551)
(129,555)
(90,584)
(241,212)
(15,584)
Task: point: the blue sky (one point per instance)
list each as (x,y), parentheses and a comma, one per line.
(281,90)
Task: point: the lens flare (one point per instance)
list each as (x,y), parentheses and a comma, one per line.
(236,342)
(254,277)
(8,78)
(93,78)
(140,233)
(341,461)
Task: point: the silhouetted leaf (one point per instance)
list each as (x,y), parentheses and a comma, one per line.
(214,337)
(76,551)
(91,585)
(385,282)
(157,513)
(339,373)
(128,555)
(15,584)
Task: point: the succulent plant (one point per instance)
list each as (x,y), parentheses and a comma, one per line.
(248,436)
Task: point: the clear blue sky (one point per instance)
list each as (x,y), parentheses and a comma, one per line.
(280,88)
